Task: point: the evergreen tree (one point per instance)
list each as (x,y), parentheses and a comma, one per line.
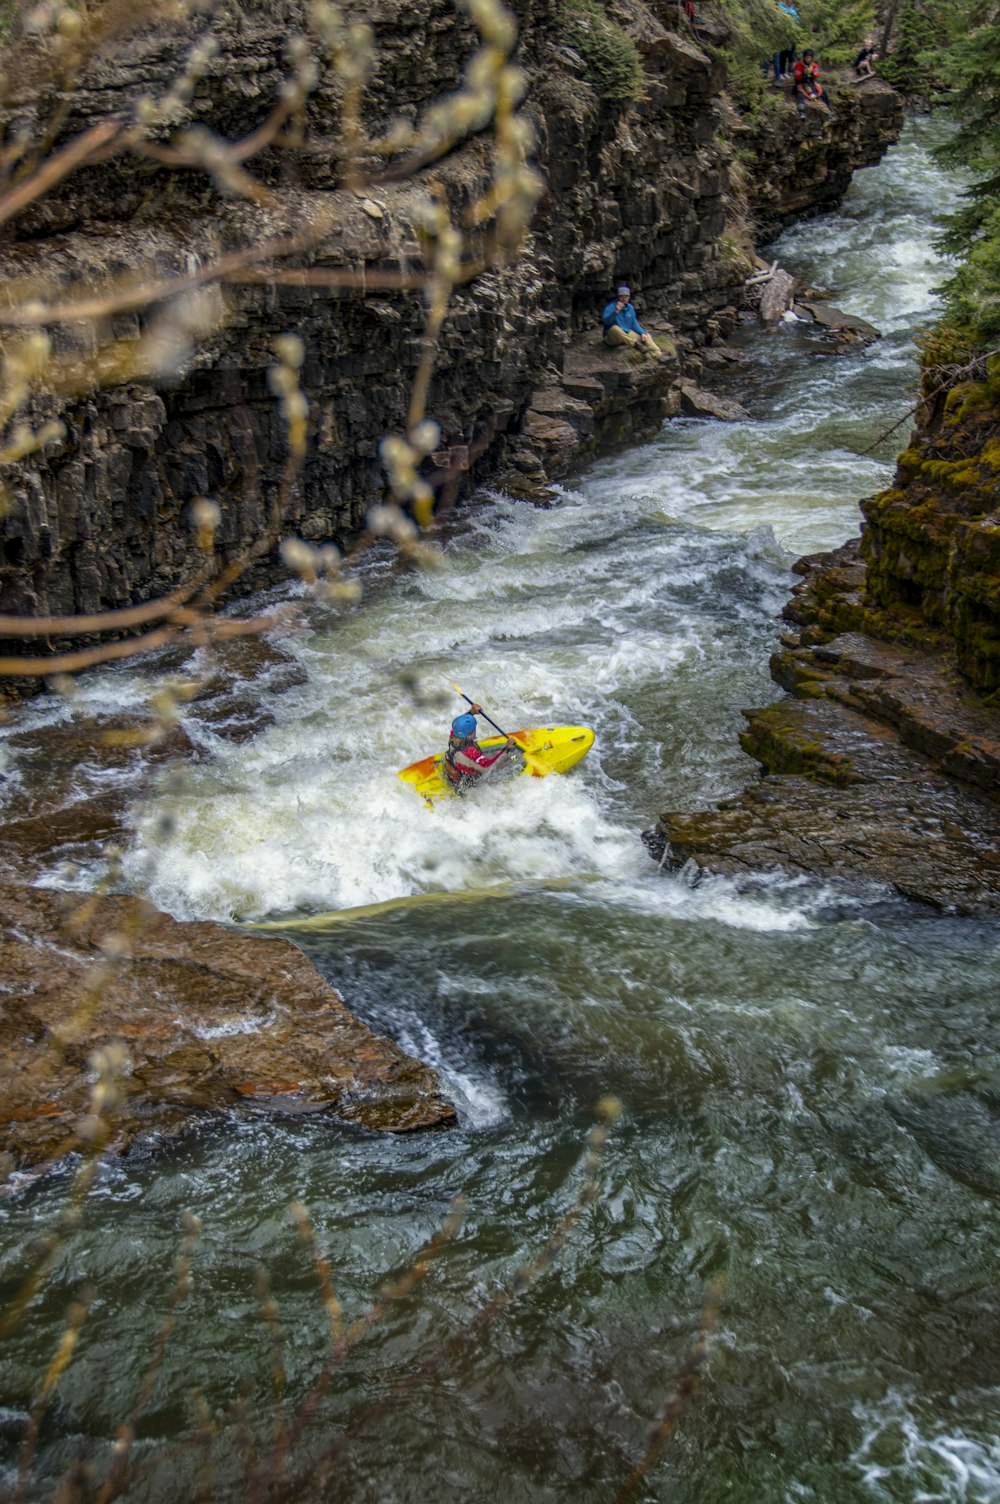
(835,29)
(913,35)
(971,66)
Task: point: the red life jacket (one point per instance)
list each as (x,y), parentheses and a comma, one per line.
(465,760)
(807,75)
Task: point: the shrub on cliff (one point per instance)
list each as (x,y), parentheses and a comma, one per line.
(614,66)
(756,28)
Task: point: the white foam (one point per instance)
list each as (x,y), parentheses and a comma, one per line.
(334,828)
(779,906)
(477,1098)
(902,1455)
(310,815)
(655,583)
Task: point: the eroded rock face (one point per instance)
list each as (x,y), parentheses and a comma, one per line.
(855,804)
(883,766)
(211,1020)
(641,191)
(804,164)
(884,763)
(932,545)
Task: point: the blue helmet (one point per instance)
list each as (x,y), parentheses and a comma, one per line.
(464,725)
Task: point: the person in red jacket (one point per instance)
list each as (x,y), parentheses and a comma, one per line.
(807,84)
(465,762)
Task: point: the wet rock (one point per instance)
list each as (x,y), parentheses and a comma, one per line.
(605,397)
(562,406)
(82,829)
(883,766)
(701,404)
(722,357)
(556,441)
(64,807)
(210,1019)
(901,824)
(846,326)
(916,693)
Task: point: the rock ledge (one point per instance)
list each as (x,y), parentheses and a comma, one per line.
(210,1020)
(882,766)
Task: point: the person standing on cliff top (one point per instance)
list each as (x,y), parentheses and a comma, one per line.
(622,327)
(786,57)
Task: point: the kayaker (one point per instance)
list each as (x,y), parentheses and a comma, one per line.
(465,762)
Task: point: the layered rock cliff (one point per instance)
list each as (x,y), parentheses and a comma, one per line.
(933,541)
(644,190)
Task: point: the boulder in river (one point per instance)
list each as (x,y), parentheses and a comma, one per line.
(697,403)
(201,1017)
(847,327)
(776,296)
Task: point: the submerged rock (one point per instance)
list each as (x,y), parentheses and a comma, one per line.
(207,1019)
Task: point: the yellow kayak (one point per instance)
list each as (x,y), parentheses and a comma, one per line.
(547,749)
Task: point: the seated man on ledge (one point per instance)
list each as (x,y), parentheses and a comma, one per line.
(621,327)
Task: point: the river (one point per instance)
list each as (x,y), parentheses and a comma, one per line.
(807,1075)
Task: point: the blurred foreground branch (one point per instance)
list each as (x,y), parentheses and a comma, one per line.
(56,347)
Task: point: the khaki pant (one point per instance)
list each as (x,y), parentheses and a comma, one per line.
(618,336)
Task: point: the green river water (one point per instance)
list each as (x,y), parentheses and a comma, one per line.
(808,1075)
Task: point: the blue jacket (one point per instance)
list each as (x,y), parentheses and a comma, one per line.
(625,320)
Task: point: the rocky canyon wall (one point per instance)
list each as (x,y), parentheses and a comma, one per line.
(932,544)
(643,190)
